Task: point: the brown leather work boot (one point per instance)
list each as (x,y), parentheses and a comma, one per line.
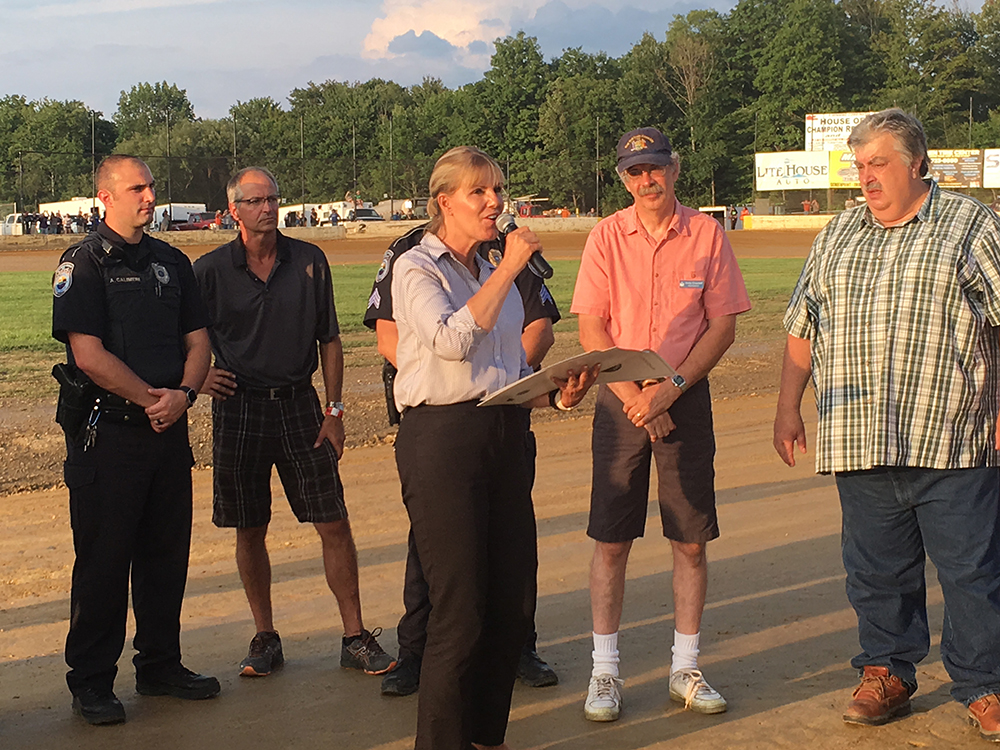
(880,698)
(985,714)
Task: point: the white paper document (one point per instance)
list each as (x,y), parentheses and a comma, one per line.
(616,365)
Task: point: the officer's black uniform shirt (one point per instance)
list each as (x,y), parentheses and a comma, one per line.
(139,300)
(538,301)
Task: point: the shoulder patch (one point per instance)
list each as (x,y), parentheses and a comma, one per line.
(546,295)
(383,270)
(375,300)
(62,280)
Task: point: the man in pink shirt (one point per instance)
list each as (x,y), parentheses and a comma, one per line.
(656,275)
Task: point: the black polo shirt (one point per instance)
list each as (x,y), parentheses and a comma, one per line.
(535,296)
(266,330)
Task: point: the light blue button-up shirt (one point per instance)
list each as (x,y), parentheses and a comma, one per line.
(443,356)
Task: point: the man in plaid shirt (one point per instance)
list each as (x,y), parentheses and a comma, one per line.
(895,317)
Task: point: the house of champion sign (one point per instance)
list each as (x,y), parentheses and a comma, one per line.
(829,132)
(791,170)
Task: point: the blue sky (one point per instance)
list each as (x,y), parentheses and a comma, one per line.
(222,51)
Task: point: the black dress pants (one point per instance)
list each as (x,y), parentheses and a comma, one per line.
(411,633)
(130,509)
(466,487)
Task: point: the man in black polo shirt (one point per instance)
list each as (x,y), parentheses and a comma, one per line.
(127,307)
(270,299)
(540,313)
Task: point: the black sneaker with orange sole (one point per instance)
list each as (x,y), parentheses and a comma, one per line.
(363,652)
(264,656)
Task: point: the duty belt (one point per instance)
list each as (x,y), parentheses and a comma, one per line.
(117,409)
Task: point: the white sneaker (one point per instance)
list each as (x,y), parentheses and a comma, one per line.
(688,686)
(604,699)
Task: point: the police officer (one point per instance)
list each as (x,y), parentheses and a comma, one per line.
(128,309)
(540,313)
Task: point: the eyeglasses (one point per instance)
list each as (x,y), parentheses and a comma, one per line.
(652,171)
(256,203)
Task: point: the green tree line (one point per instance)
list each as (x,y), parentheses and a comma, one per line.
(721,85)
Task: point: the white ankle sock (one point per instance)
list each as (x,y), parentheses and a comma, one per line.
(685,651)
(605,654)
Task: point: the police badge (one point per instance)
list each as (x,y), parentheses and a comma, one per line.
(160,272)
(495,255)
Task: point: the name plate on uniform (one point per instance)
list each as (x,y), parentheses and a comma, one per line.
(616,364)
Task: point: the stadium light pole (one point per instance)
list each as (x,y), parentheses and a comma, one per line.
(20,180)
(170,202)
(93,161)
(302,162)
(391,200)
(597,169)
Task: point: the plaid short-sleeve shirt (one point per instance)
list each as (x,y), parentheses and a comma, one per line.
(903,328)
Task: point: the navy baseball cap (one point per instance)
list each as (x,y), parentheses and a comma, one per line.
(643,146)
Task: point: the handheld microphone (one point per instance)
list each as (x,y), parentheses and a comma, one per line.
(538,265)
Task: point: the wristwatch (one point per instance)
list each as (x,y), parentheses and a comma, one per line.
(191,394)
(335,409)
(680,382)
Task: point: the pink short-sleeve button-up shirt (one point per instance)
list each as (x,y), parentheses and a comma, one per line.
(659,295)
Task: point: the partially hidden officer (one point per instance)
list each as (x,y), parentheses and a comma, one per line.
(128,309)
(540,313)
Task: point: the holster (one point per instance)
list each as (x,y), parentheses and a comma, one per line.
(76,398)
(388,380)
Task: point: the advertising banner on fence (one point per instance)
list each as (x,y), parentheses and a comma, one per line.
(991,168)
(843,173)
(829,132)
(792,170)
(957,168)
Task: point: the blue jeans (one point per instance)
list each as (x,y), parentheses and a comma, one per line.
(890,517)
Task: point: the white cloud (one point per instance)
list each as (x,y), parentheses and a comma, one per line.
(460,22)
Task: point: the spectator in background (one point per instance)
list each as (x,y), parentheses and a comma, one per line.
(814,206)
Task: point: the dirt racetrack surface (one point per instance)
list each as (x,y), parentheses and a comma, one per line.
(777,634)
